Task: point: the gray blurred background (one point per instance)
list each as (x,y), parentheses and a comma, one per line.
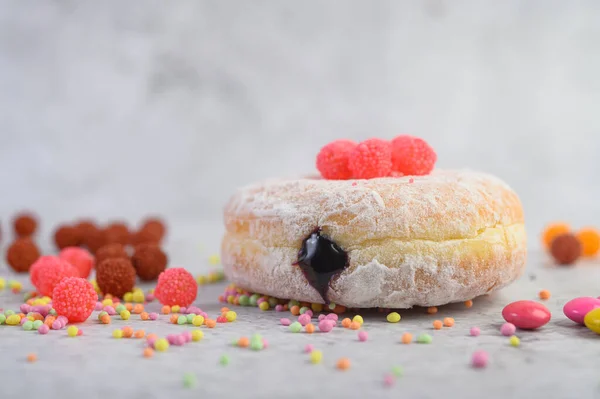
(119,109)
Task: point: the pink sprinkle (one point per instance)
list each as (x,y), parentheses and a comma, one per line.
(204,314)
(480,359)
(195,310)
(43,329)
(475,331)
(309,312)
(153,316)
(149,297)
(322,316)
(183,310)
(265,343)
(285,322)
(221,319)
(41,309)
(187,336)
(508,329)
(172,338)
(63,319)
(309,348)
(98,306)
(25,308)
(260,300)
(179,340)
(325,325)
(332,316)
(304,319)
(411,180)
(353,184)
(110,310)
(23,320)
(150,341)
(362,336)
(279,308)
(79,332)
(56,325)
(388,380)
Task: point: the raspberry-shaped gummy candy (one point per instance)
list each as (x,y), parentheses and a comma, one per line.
(412,156)
(48,271)
(80,258)
(74,298)
(332,160)
(176,287)
(371,158)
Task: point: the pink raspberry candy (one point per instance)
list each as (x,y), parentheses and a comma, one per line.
(412,156)
(176,287)
(48,271)
(371,158)
(80,258)
(74,298)
(332,160)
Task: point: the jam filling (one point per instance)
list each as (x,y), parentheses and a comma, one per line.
(321,259)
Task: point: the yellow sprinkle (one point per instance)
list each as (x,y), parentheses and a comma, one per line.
(515,341)
(231,316)
(393,317)
(197,335)
(358,319)
(13,320)
(138,297)
(214,259)
(316,357)
(201,280)
(161,345)
(128,297)
(107,302)
(175,309)
(118,333)
(15,285)
(72,331)
(198,320)
(2,283)
(125,315)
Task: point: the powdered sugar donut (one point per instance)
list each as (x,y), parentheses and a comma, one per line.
(392,242)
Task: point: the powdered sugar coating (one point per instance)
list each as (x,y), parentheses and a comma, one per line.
(446,237)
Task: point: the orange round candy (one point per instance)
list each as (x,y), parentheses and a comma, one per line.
(552,231)
(437,325)
(590,241)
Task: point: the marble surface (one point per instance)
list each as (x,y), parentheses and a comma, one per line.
(558,361)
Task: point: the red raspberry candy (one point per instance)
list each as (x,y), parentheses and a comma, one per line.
(412,156)
(80,258)
(371,158)
(74,298)
(176,287)
(332,160)
(48,271)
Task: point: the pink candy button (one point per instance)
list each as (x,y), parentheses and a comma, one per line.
(577,308)
(527,315)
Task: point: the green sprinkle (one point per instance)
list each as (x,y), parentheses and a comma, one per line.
(2,318)
(182,320)
(272,302)
(256,342)
(256,336)
(303,309)
(9,312)
(27,296)
(293,302)
(424,339)
(234,342)
(253,299)
(189,380)
(101,314)
(295,327)
(120,307)
(224,360)
(331,306)
(244,300)
(37,324)
(28,325)
(397,371)
(52,312)
(189,318)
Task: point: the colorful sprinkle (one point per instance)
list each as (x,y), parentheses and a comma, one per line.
(448,322)
(479,359)
(161,344)
(316,356)
(424,339)
(72,331)
(407,338)
(475,331)
(295,327)
(514,341)
(393,317)
(362,336)
(437,324)
(544,295)
(343,363)
(432,310)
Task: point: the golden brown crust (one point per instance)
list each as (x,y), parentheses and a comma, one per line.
(441,238)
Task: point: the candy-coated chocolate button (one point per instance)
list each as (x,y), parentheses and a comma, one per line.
(577,308)
(592,320)
(527,315)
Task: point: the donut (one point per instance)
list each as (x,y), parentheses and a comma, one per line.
(389,242)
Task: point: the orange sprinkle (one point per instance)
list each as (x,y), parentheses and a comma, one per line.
(138,308)
(148,352)
(37,316)
(590,241)
(468,303)
(49,320)
(339,309)
(432,310)
(224,309)
(31,358)
(22,315)
(305,304)
(346,322)
(29,301)
(343,363)
(544,294)
(437,325)
(108,296)
(243,342)
(236,301)
(407,338)
(152,336)
(295,310)
(165,309)
(210,323)
(355,325)
(309,328)
(285,307)
(139,334)
(144,316)
(127,332)
(448,321)
(129,306)
(105,319)
(552,231)
(173,319)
